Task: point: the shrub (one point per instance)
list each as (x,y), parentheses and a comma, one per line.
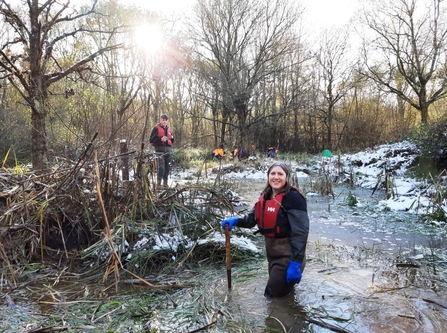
(431,139)
(183,158)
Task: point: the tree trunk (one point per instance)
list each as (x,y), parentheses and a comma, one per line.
(39,137)
(424,111)
(240,103)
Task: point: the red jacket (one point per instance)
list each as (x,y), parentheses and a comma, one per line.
(157,133)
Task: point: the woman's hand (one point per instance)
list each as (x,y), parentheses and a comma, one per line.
(293,273)
(231,221)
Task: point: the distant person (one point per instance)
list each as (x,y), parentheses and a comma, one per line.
(218,153)
(253,150)
(235,153)
(281,216)
(242,154)
(162,139)
(272,151)
(252,155)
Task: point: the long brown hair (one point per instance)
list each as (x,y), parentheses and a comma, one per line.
(268,188)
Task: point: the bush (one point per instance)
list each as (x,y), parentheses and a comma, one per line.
(183,158)
(425,169)
(431,139)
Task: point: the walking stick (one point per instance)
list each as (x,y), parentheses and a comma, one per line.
(228,251)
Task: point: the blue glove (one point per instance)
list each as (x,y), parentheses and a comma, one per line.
(293,272)
(231,221)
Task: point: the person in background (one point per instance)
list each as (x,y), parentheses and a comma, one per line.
(252,155)
(272,151)
(281,216)
(218,153)
(162,139)
(241,154)
(235,153)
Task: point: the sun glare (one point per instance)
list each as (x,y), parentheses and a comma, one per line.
(149,37)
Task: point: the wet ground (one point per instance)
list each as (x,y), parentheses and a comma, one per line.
(368,271)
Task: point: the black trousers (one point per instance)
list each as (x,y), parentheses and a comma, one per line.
(164,163)
(278,255)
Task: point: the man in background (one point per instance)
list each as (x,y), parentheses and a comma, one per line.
(162,139)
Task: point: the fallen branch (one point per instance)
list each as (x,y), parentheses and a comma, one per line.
(385,290)
(440,303)
(204,327)
(61,328)
(406,316)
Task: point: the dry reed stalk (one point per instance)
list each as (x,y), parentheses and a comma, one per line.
(4,257)
(114,256)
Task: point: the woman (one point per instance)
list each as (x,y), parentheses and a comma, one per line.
(281,216)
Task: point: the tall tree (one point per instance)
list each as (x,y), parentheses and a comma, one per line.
(408,43)
(334,73)
(241,41)
(29,56)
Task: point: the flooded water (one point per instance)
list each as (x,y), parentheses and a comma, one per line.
(333,220)
(368,271)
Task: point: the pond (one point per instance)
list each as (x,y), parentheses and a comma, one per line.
(368,270)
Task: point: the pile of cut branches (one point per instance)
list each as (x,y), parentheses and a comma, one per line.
(61,214)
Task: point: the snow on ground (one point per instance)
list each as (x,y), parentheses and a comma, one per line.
(406,193)
(367,168)
(364,169)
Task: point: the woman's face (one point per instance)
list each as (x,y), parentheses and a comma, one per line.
(277,179)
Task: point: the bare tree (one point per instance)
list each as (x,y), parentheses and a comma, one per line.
(241,41)
(408,43)
(334,78)
(28,57)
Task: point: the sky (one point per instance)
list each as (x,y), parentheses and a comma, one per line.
(326,13)
(164,6)
(320,13)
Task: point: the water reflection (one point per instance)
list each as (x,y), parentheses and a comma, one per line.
(352,281)
(250,311)
(285,315)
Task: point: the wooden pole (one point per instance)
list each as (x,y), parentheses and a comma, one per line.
(228,251)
